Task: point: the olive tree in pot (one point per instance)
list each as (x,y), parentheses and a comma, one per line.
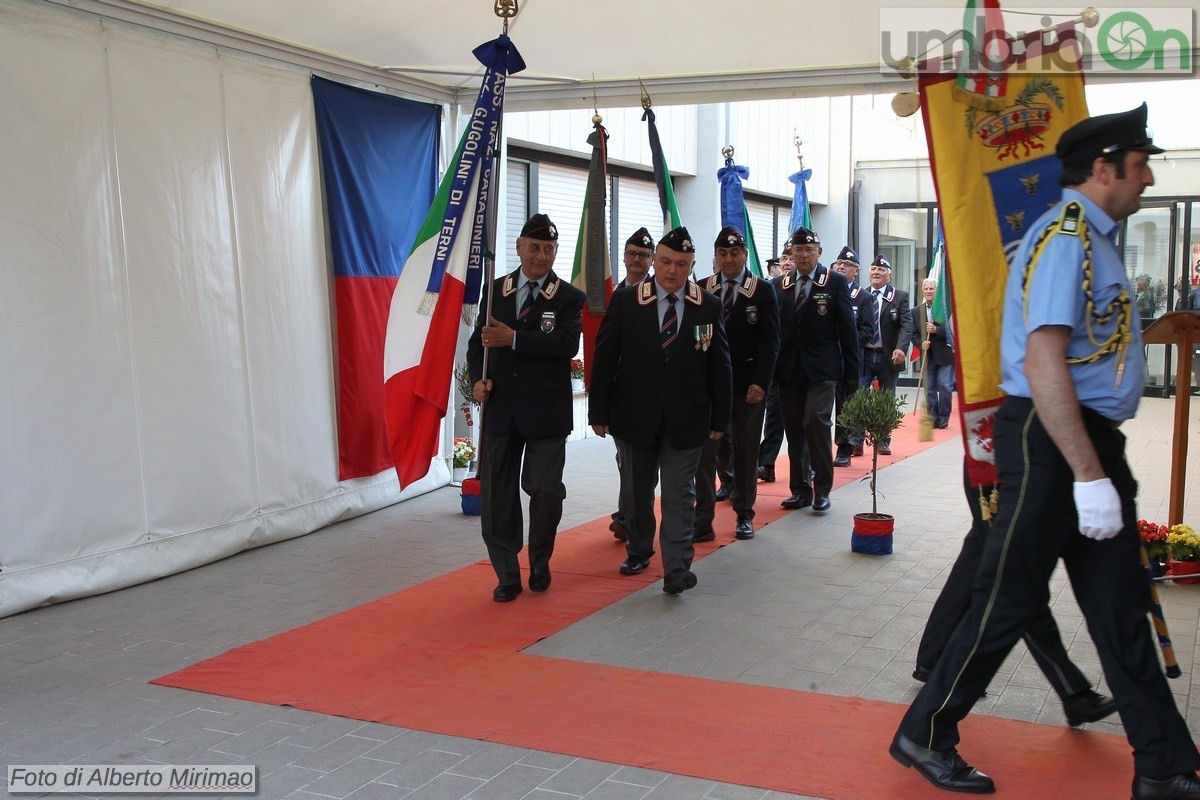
(875,414)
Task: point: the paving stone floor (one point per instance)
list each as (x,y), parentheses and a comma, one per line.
(793,609)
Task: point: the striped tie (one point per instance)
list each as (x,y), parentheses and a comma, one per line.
(670,327)
(530,292)
(730,294)
(878,340)
(803,298)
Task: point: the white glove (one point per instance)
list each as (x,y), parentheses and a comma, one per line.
(1099,509)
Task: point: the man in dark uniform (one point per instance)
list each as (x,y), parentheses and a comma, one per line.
(932,338)
(661,386)
(885,353)
(1071,363)
(864,317)
(772,438)
(818,348)
(751,316)
(639,250)
(531,333)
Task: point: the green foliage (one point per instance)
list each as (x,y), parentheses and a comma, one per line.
(875,415)
(462,379)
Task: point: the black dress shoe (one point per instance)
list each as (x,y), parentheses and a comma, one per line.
(884,450)
(922,673)
(1180,787)
(634,566)
(821,503)
(679,580)
(707,536)
(722,494)
(539,579)
(619,531)
(744,529)
(766,474)
(506,592)
(842,461)
(1087,706)
(796,501)
(857,451)
(945,770)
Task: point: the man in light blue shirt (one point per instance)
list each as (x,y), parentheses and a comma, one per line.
(1071,361)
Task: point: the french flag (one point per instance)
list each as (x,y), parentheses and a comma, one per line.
(440,283)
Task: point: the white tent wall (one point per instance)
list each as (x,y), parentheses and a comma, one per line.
(166,337)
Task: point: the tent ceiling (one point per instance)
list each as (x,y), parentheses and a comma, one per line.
(686,51)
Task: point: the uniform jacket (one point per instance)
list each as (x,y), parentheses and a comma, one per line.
(643,392)
(864,313)
(895,322)
(820,340)
(531,392)
(940,350)
(752,330)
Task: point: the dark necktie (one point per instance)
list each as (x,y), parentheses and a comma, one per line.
(803,298)
(530,293)
(730,293)
(670,323)
(878,340)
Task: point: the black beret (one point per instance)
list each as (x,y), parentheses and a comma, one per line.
(1086,141)
(679,240)
(847,255)
(539,226)
(803,235)
(730,237)
(640,238)
(880,261)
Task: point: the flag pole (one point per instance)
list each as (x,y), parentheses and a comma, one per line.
(506,10)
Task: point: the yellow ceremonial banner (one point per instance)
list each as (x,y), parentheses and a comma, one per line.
(995,172)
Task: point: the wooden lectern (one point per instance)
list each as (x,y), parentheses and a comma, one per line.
(1182,329)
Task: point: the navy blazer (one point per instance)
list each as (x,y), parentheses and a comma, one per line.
(643,393)
(863,304)
(820,341)
(752,330)
(531,390)
(895,322)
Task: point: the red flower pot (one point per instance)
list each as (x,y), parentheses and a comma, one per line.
(1186,568)
(872,534)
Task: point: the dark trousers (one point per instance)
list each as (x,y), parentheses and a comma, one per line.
(743,444)
(877,366)
(808,418)
(1042,638)
(1036,526)
(540,477)
(772,436)
(641,469)
(939,383)
(618,516)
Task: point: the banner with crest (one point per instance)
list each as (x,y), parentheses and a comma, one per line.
(991,144)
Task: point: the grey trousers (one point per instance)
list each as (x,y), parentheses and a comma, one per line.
(641,470)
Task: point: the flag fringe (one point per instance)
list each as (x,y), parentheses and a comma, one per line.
(428,302)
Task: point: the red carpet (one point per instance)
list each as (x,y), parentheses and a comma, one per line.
(443,657)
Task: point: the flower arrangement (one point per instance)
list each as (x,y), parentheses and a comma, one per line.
(1183,543)
(1154,539)
(466,392)
(464,451)
(577,368)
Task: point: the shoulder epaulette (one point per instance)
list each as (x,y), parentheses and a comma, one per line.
(550,287)
(1069,220)
(645,291)
(749,286)
(822,276)
(694,295)
(509,286)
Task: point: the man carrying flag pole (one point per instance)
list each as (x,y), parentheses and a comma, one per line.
(442,277)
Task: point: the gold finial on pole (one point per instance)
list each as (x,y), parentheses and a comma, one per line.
(646,103)
(796,140)
(506,9)
(727,151)
(596,118)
